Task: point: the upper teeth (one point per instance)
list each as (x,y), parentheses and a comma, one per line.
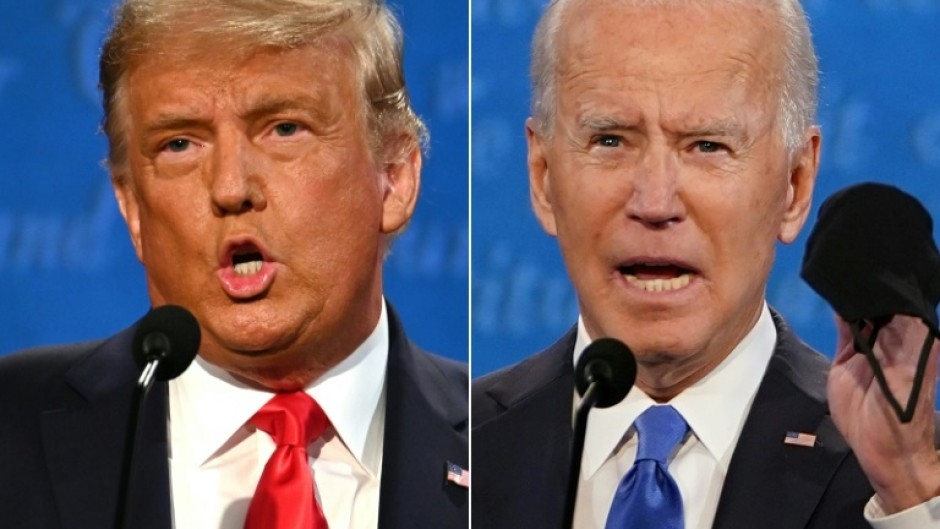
(248,268)
(659,285)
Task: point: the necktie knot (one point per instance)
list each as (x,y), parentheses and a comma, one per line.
(648,496)
(285,497)
(660,429)
(292,419)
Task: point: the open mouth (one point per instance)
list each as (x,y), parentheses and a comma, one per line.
(246,270)
(247,261)
(657,277)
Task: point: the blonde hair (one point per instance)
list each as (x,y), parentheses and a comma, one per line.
(368,26)
(798,87)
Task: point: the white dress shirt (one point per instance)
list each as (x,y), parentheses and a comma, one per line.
(923,516)
(217,458)
(714,408)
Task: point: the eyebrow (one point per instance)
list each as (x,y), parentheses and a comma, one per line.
(604,123)
(727,128)
(173,121)
(272,104)
(267,104)
(721,127)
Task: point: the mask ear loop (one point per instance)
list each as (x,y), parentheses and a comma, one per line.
(866,346)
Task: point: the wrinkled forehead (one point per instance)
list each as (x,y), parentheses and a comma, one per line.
(195,54)
(189,42)
(671,42)
(216,67)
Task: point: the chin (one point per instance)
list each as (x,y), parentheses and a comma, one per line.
(249,340)
(649,334)
(659,350)
(249,327)
(662,343)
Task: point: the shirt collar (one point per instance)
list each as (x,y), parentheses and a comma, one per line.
(211,406)
(350,392)
(730,387)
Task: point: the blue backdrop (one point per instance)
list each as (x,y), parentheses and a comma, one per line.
(69,271)
(880,115)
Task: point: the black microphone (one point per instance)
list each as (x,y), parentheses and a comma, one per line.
(164,345)
(166,342)
(604,375)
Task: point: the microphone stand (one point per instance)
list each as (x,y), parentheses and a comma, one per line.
(155,346)
(588,400)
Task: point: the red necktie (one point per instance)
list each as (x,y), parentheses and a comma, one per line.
(286,497)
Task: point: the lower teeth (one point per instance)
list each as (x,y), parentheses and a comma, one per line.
(247,269)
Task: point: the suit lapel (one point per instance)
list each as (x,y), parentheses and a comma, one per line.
(84,426)
(425,427)
(526,483)
(83,434)
(771,484)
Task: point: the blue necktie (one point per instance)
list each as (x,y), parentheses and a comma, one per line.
(648,497)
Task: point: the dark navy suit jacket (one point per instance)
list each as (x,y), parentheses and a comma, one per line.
(63,413)
(522,435)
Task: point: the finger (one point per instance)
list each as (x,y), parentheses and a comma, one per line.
(930,379)
(900,342)
(845,341)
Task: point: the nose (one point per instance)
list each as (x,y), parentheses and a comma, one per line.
(235,186)
(655,199)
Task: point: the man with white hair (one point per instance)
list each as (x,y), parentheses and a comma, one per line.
(672,143)
(264,154)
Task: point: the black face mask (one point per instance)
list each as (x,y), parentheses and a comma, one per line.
(872,255)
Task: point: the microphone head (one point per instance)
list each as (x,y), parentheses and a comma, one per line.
(170,334)
(609,363)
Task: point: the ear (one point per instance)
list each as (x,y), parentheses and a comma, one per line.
(540,189)
(800,186)
(402,183)
(130,207)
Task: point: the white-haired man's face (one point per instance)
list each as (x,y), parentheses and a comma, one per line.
(666,180)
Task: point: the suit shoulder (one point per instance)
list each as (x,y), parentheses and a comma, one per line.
(443,381)
(493,393)
(483,386)
(804,367)
(32,378)
(435,374)
(453,373)
(483,405)
(30,367)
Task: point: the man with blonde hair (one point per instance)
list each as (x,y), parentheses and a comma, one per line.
(264,154)
(672,144)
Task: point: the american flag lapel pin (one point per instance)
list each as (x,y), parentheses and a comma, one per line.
(458,475)
(800,439)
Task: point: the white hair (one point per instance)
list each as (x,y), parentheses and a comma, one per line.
(799,80)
